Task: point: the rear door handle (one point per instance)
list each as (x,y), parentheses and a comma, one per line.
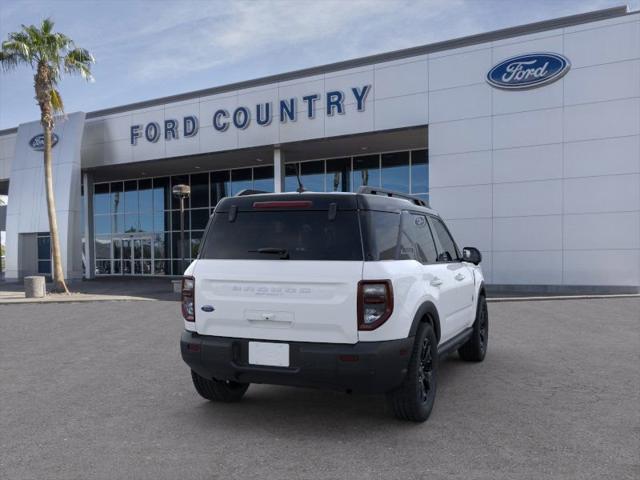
(459,277)
(436,282)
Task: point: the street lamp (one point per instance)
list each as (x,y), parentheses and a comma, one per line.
(182,192)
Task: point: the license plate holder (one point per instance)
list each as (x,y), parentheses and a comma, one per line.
(269,354)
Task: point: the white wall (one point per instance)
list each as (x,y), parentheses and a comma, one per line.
(7,151)
(398,98)
(546,182)
(27,206)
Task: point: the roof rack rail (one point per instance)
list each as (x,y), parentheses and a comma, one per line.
(248,191)
(390,193)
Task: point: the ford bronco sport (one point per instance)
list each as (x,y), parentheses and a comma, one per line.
(361,292)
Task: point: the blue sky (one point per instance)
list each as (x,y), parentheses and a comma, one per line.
(149,49)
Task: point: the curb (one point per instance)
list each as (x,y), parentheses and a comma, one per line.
(45,300)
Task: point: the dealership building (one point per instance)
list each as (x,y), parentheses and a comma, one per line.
(526,140)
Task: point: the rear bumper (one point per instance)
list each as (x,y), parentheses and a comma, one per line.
(367,367)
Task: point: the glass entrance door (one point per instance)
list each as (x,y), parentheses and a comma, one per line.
(133,256)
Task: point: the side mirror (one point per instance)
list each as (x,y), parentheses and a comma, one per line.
(471,255)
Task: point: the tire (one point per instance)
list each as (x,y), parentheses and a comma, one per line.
(414,399)
(218,390)
(476,347)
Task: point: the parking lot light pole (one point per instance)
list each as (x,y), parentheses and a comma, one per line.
(182,192)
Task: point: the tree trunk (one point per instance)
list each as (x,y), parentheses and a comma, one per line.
(59,284)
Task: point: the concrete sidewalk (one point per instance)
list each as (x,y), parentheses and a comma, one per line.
(104,289)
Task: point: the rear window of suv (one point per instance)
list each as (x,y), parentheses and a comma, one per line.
(275,235)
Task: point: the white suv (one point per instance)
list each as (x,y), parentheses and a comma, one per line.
(359,292)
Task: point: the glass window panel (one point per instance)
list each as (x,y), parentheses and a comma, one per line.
(131,222)
(381,240)
(179,267)
(196,238)
(126,248)
(102,224)
(175,245)
(161,267)
(263,178)
(420,171)
(146,267)
(312,176)
(200,190)
(199,218)
(145,195)
(175,220)
(146,248)
(103,247)
(101,198)
(161,194)
(103,267)
(160,244)
(146,222)
(117,199)
(137,267)
(44,266)
(240,180)
(131,203)
(338,175)
(290,177)
(179,180)
(117,267)
(117,248)
(219,186)
(416,242)
(44,247)
(395,171)
(161,221)
(449,251)
(117,223)
(366,171)
(126,267)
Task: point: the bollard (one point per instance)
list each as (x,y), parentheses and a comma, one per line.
(34,287)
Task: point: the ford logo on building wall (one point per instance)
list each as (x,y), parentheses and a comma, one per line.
(528,71)
(37,142)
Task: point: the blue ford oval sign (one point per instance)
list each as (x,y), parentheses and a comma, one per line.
(37,142)
(528,71)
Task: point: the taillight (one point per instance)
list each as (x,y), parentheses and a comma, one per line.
(375,303)
(188,299)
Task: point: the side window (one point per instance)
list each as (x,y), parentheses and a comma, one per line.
(380,234)
(416,241)
(449,251)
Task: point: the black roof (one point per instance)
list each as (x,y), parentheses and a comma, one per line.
(323,201)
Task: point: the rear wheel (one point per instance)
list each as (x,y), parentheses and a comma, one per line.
(218,390)
(414,399)
(476,347)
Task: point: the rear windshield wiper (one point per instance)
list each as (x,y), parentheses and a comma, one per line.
(283,252)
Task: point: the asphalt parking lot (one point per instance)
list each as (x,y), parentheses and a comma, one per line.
(98,390)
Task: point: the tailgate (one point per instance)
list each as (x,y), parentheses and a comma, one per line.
(288,300)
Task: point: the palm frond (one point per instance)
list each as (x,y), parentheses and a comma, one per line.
(56,101)
(79,61)
(9,61)
(47,26)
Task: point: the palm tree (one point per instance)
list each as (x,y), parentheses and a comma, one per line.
(50,55)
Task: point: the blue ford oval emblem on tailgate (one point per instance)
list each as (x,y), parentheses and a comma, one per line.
(207,308)
(528,71)
(37,141)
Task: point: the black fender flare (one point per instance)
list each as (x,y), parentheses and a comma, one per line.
(426,310)
(481,290)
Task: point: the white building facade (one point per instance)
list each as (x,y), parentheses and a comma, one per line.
(526,140)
